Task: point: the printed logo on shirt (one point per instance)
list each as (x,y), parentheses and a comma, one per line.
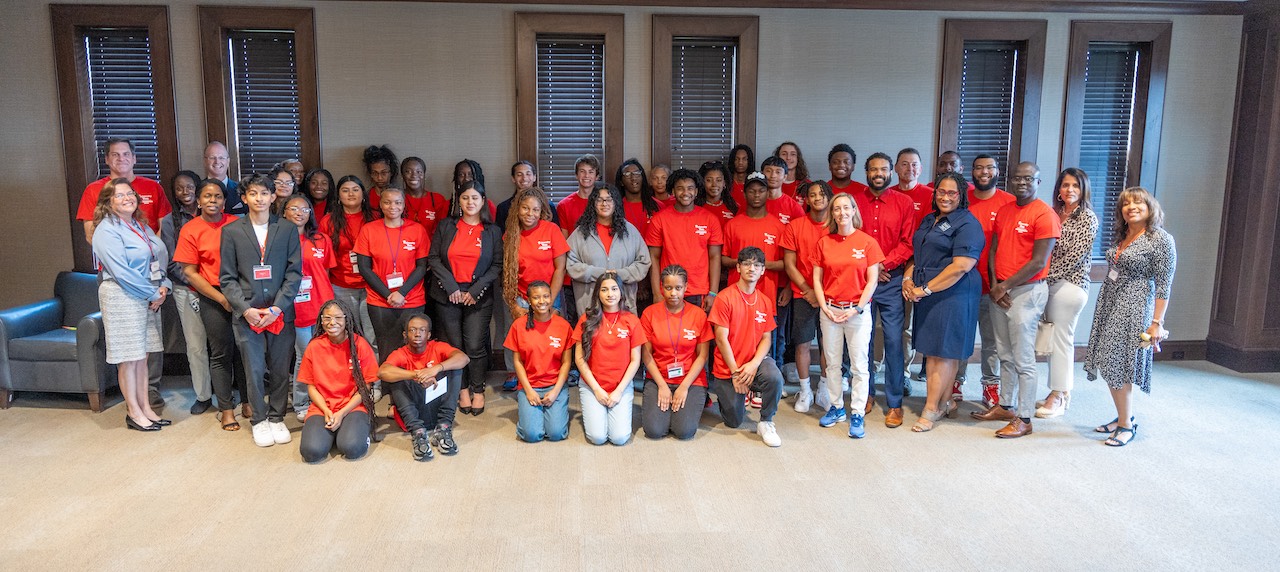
(623,333)
(690,334)
(760,317)
(555,342)
(770,238)
(700,229)
(544,245)
(917,205)
(478,245)
(431,215)
(726,214)
(993,216)
(945,226)
(1022,228)
(859,254)
(785,218)
(146,199)
(409,245)
(317,252)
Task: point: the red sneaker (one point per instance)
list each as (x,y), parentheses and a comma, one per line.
(990,395)
(956,393)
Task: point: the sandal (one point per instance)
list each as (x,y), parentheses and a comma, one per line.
(1111,426)
(952,408)
(1115,440)
(927,420)
(232,425)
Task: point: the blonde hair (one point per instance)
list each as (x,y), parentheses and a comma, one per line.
(103,209)
(831,212)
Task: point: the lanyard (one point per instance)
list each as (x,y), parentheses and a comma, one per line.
(395,252)
(142,235)
(262,246)
(675,338)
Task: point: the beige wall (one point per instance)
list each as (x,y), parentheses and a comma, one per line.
(434,80)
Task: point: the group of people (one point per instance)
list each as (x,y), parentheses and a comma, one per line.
(298,290)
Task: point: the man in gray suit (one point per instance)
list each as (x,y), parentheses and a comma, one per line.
(261,272)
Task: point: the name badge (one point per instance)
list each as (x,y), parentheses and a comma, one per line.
(1113,275)
(675,371)
(303,296)
(352,256)
(306,284)
(156,273)
(395,280)
(261,272)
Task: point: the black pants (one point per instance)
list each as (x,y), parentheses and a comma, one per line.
(467,328)
(387,328)
(352,437)
(732,407)
(266,355)
(226,370)
(409,398)
(683,423)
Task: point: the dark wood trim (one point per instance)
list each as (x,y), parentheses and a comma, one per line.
(1228,7)
(76,109)
(1025,133)
(665,27)
(215,22)
(1153,39)
(528,26)
(1244,360)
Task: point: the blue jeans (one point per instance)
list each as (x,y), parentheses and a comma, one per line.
(888,305)
(600,423)
(537,422)
(301,399)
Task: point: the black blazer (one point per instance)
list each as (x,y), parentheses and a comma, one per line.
(488,268)
(240,254)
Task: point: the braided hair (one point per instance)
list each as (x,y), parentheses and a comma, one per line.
(353,332)
(528,323)
(726,197)
(595,313)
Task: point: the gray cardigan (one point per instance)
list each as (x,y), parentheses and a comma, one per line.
(629,256)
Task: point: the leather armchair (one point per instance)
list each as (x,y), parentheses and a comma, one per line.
(56,345)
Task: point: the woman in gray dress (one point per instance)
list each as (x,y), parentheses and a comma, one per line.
(1128,324)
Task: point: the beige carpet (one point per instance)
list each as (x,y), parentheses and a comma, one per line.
(1196,490)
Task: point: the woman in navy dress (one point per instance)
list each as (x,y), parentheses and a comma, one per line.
(945,287)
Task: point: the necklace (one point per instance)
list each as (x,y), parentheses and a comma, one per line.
(754,299)
(614,322)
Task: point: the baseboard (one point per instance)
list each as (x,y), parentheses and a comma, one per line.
(1243,361)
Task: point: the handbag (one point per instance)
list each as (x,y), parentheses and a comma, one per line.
(1044,338)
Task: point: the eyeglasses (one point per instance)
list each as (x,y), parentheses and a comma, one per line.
(333,318)
(631,174)
(285,182)
(751,264)
(947,193)
(303,210)
(1023,178)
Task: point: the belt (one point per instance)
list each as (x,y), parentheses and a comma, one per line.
(843,305)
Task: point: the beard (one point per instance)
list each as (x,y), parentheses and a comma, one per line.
(878,184)
(987,187)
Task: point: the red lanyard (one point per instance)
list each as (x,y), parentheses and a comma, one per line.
(262,246)
(675,338)
(142,235)
(395,252)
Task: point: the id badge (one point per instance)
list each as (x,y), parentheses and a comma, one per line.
(352,255)
(395,280)
(303,296)
(261,271)
(305,286)
(675,371)
(1113,275)
(156,273)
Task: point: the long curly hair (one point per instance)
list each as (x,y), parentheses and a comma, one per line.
(802,170)
(650,204)
(595,312)
(618,222)
(351,327)
(511,244)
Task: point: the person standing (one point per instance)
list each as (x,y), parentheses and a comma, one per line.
(1128,321)
(587,171)
(391,255)
(687,235)
(421,205)
(183,188)
(1025,232)
(260,275)
(908,168)
(216,162)
(604,242)
(799,243)
(313,290)
(348,211)
(985,200)
(759,228)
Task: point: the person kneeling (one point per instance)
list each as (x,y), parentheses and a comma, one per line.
(676,358)
(608,355)
(413,371)
(340,403)
(539,344)
(742,320)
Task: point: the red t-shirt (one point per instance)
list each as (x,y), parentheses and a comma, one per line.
(154,203)
(738,192)
(783,207)
(541,348)
(634,213)
(789,189)
(922,198)
(427,210)
(844,261)
(327,367)
(985,211)
(569,210)
(200,243)
(394,250)
(1017,230)
(854,188)
(801,237)
(317,260)
(684,239)
(675,338)
(748,318)
(464,251)
(611,347)
(433,354)
(606,239)
(539,248)
(345,274)
(764,233)
(722,212)
(888,219)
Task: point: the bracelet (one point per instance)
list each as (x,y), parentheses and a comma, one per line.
(1158,322)
(712,294)
(274,311)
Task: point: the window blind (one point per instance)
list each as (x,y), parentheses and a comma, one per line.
(1111,71)
(988,87)
(264,77)
(122,94)
(570,107)
(703,99)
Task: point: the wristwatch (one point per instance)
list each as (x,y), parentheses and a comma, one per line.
(927,291)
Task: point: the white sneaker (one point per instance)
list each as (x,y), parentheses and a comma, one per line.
(262,434)
(822,397)
(377,391)
(804,401)
(280,433)
(302,416)
(844,384)
(769,433)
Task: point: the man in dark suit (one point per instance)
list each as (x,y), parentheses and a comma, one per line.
(261,272)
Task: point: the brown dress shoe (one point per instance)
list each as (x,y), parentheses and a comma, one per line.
(996,413)
(871,404)
(893,418)
(1014,429)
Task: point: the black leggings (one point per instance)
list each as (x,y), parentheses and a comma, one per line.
(387,328)
(225,369)
(352,437)
(467,328)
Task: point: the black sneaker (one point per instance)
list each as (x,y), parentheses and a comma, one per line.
(201,406)
(442,439)
(421,446)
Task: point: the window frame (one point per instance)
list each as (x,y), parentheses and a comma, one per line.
(666,27)
(1149,90)
(528,26)
(76,105)
(1025,131)
(215,23)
